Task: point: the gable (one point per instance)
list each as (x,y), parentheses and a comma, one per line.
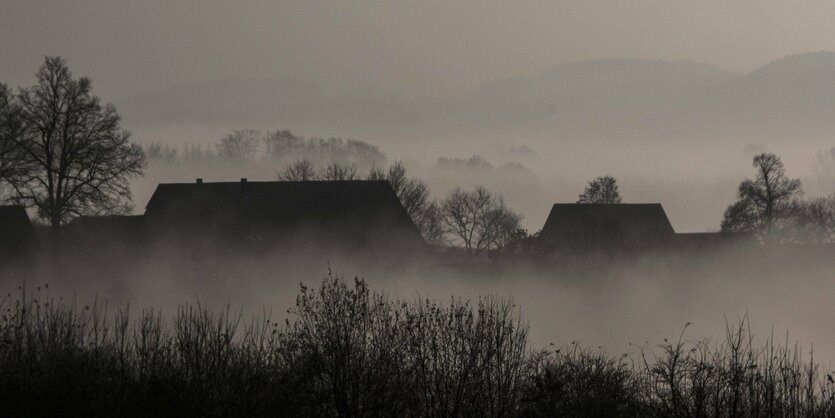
(600,224)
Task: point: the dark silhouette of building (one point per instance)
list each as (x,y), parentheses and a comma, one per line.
(110,235)
(354,215)
(584,227)
(705,241)
(18,242)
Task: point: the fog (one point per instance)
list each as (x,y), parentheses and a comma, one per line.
(617,304)
(671,98)
(423,48)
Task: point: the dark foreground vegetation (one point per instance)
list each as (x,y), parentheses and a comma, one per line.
(347,350)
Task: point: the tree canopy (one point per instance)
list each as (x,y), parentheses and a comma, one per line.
(601,190)
(764,202)
(69,154)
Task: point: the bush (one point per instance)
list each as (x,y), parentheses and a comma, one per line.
(349,351)
(573,381)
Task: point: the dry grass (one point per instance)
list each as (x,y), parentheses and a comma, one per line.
(350,351)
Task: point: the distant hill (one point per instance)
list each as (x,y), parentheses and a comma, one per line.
(274,104)
(795,94)
(611,83)
(591,94)
(611,98)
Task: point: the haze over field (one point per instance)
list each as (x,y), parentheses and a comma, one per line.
(671,98)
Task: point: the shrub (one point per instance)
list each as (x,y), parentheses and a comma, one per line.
(347,350)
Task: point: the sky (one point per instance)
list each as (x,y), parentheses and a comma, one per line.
(415,48)
(448,48)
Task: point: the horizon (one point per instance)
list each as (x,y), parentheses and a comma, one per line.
(425,48)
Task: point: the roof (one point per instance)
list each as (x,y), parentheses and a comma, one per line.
(17,236)
(596,224)
(359,206)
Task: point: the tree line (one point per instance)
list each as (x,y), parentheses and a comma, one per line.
(476,220)
(279,146)
(65,154)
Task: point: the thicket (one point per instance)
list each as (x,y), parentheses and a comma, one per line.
(346,350)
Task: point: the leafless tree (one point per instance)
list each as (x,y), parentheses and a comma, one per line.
(811,221)
(282,144)
(11,162)
(764,202)
(80,158)
(432,225)
(478,221)
(337,171)
(601,190)
(195,152)
(160,152)
(240,145)
(414,196)
(299,170)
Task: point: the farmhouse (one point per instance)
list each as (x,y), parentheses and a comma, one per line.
(360,215)
(18,241)
(584,227)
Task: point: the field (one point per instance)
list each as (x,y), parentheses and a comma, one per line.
(345,349)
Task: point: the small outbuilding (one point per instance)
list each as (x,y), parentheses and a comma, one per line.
(584,227)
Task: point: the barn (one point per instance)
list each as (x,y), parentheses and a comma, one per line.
(357,215)
(583,227)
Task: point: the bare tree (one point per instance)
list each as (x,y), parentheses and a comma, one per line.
(601,190)
(81,159)
(337,171)
(763,202)
(413,193)
(282,144)
(160,152)
(414,196)
(811,221)
(503,225)
(12,163)
(432,225)
(240,145)
(478,221)
(299,170)
(195,152)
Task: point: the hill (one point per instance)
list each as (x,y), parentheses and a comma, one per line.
(609,99)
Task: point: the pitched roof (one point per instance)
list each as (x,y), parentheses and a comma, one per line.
(356,205)
(17,236)
(594,224)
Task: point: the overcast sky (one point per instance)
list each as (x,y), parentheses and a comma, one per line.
(415,47)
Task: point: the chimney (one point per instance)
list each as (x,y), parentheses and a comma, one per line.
(199,181)
(243,180)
